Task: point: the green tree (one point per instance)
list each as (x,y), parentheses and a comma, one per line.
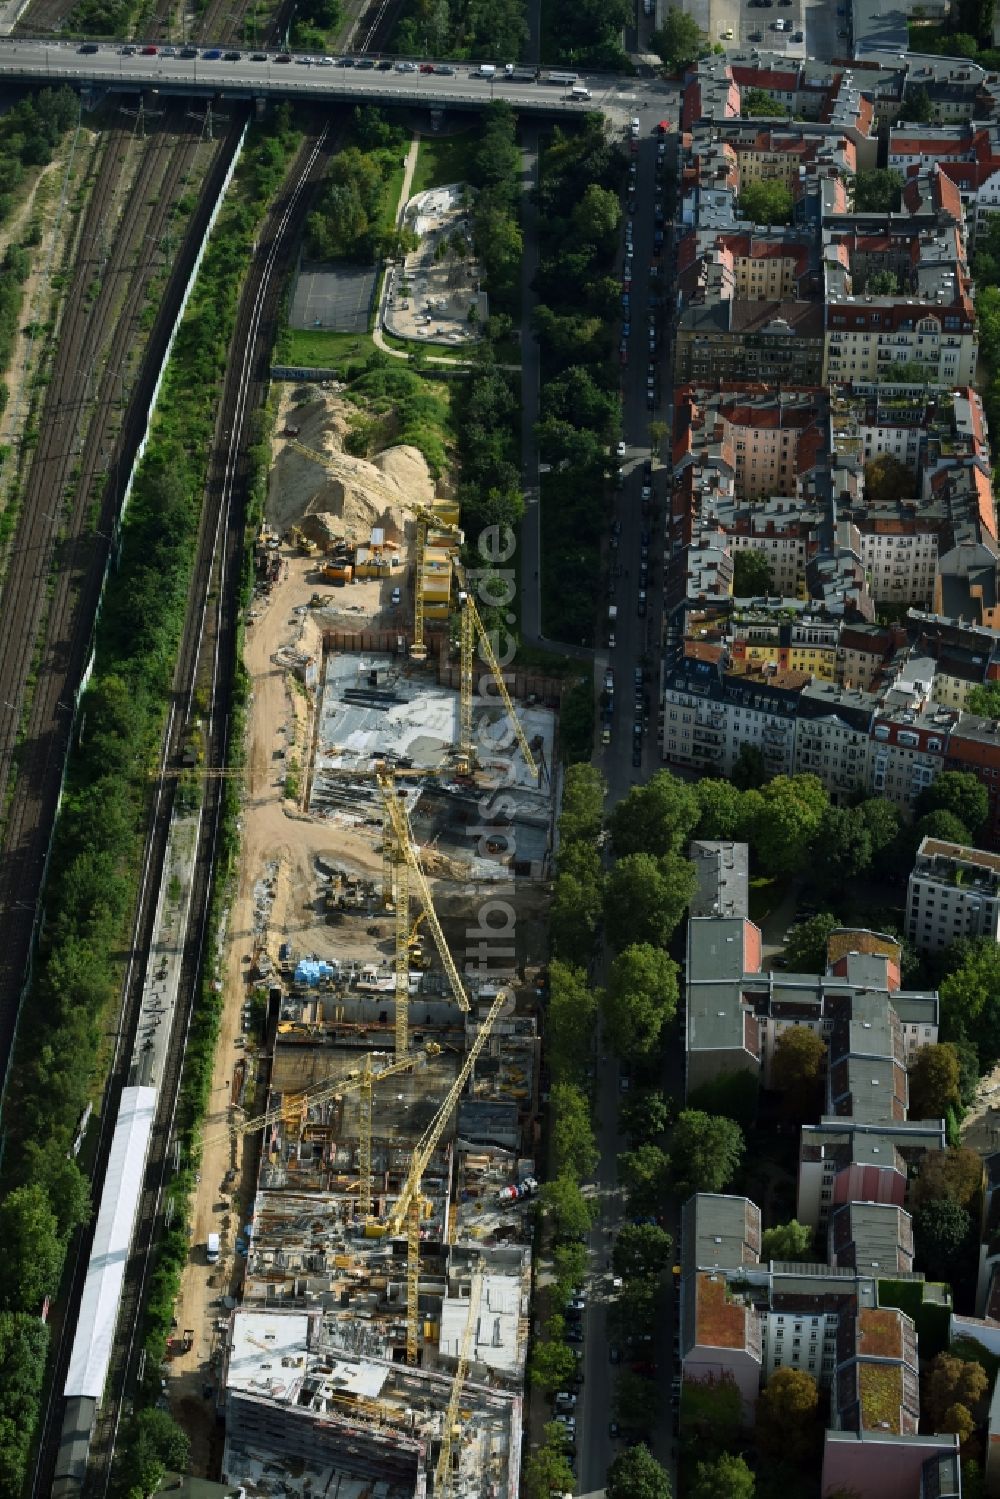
(888,480)
(934,1075)
(749,771)
(726,1477)
(766,202)
(641,1252)
(573,1145)
(968,1000)
(787,1416)
(757,101)
(582,813)
(637,1402)
(575,914)
(563,1202)
(711,1417)
(734,1093)
(942,1233)
(33,1252)
(572,1015)
(753,575)
(843,845)
(552,1364)
(954,1175)
(882,284)
(721,809)
(645,898)
(917,107)
(798,1071)
(984,700)
(946,1381)
(547,1471)
(787,1241)
(24,1342)
(705,1152)
(805,950)
(598,214)
(645,1116)
(65,1185)
(793,810)
(960,793)
(636,1474)
(641,998)
(656,818)
(877,191)
(644,1173)
(883,820)
(154,1445)
(678,41)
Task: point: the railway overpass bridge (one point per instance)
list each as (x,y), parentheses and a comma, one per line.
(224,71)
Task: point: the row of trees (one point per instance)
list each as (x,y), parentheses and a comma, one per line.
(462,28)
(97,846)
(789,823)
(580,212)
(495,175)
(587,33)
(354,217)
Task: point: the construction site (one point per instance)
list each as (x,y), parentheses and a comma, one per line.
(356,1309)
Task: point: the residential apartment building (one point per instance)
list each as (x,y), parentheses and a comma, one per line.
(953,891)
(833,737)
(763,342)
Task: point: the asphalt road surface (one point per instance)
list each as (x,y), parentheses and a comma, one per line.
(637,645)
(462,88)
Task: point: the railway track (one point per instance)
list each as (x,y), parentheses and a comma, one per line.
(88,427)
(207,656)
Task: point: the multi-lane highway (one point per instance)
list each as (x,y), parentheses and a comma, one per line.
(221,70)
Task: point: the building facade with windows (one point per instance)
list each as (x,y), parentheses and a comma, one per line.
(953,891)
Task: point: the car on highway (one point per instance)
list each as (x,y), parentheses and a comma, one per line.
(89,48)
(148,52)
(406,67)
(384,65)
(620,448)
(187,53)
(324,62)
(212,55)
(342,62)
(283,57)
(446,70)
(640,606)
(231,56)
(426,67)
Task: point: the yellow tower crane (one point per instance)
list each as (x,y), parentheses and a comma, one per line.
(362,1080)
(471,627)
(443,1471)
(408,1205)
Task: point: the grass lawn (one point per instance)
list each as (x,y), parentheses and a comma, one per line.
(442,159)
(322,348)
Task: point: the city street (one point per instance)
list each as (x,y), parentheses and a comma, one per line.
(637,646)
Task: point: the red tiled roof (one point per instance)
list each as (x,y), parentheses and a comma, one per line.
(769,79)
(984,500)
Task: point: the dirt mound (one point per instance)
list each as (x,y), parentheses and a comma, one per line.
(335,495)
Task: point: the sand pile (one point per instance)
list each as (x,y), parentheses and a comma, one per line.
(350,495)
